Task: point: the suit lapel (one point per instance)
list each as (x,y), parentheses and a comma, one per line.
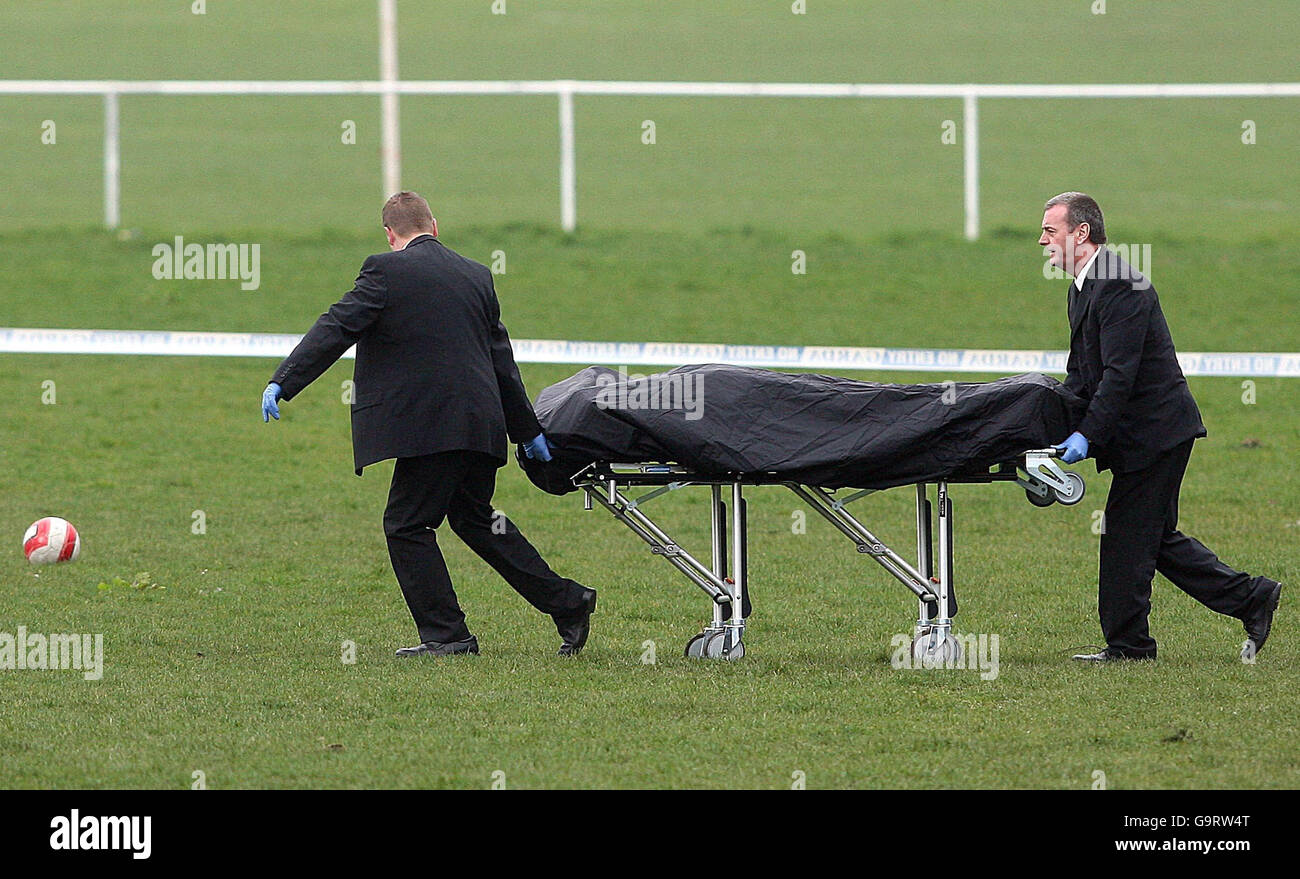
(1075,311)
(1080,298)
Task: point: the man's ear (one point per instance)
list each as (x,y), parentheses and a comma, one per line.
(1086,230)
(388,233)
(435,227)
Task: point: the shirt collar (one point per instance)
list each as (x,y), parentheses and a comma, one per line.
(417,238)
(1079,278)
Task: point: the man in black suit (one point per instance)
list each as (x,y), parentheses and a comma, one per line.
(1141,422)
(437,388)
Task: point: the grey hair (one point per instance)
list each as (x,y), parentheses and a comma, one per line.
(1081,208)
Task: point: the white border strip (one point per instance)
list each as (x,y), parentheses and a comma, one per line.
(15,340)
(666,89)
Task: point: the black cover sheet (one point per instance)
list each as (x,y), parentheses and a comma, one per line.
(813,429)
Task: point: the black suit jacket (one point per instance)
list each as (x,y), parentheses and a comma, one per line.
(1122,362)
(434,371)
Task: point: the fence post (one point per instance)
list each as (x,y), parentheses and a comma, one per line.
(112,162)
(971,155)
(568,172)
(390,132)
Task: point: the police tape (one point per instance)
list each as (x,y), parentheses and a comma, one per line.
(945,360)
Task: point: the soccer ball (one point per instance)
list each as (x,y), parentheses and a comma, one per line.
(51,540)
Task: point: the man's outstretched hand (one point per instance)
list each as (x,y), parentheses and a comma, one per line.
(538,448)
(1074,449)
(270,399)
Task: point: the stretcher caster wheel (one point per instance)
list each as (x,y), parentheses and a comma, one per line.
(931,651)
(1075,494)
(1041,500)
(713,645)
(695,646)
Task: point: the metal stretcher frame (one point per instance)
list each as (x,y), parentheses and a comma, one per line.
(725,578)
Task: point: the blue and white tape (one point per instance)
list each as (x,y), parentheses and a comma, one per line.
(944,360)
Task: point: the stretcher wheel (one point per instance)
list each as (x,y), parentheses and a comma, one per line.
(713,647)
(931,651)
(1039,500)
(695,646)
(1077,489)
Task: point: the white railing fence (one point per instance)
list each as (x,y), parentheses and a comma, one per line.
(565,90)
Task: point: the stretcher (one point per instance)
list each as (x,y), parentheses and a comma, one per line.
(725,578)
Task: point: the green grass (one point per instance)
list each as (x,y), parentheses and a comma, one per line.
(234,668)
(724,286)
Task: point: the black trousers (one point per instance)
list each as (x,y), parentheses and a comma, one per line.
(458,486)
(1139,538)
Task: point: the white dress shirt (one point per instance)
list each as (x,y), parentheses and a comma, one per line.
(1083,273)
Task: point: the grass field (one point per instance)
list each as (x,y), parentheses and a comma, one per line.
(230,663)
(234,668)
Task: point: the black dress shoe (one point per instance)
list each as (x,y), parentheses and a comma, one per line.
(1259,621)
(440,648)
(1109,655)
(574,627)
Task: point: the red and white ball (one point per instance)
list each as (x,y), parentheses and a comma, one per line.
(51,540)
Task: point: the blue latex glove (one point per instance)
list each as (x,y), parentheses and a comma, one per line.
(1075,448)
(270,397)
(538,448)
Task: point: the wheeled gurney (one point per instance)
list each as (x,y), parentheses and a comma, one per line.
(830,440)
(726,578)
